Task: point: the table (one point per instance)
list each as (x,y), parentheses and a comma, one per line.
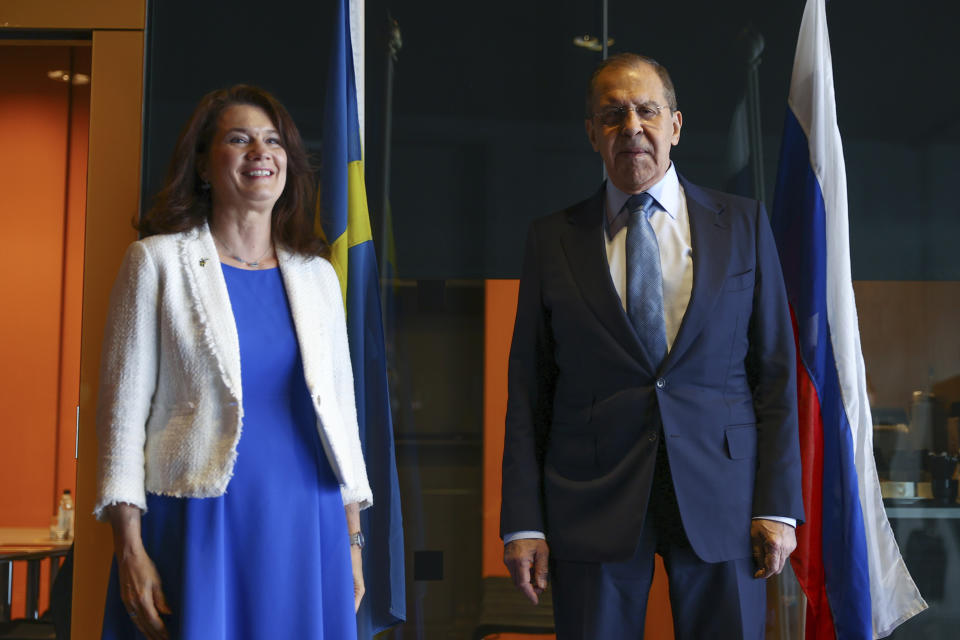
(921,508)
(32,545)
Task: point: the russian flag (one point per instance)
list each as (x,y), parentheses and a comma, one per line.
(346,223)
(847,560)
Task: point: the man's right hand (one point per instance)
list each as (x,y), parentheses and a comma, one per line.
(527,561)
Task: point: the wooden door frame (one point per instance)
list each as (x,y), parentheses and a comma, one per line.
(113,200)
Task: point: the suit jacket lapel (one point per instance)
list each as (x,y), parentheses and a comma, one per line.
(211,303)
(710,238)
(583,245)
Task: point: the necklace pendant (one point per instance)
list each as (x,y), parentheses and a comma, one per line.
(255,264)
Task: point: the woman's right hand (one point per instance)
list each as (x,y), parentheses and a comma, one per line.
(140,587)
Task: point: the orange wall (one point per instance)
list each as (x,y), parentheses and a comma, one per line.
(501,307)
(41,216)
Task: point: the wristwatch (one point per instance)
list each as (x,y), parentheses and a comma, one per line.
(357,540)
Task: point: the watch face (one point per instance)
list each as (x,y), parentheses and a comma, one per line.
(357,539)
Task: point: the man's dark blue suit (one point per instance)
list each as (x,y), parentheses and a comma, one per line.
(587,406)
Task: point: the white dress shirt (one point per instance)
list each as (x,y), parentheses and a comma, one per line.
(672,228)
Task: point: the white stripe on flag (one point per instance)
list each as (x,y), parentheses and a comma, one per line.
(358,42)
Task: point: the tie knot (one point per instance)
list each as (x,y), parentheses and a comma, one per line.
(640,203)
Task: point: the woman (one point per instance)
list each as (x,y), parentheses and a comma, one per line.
(230,461)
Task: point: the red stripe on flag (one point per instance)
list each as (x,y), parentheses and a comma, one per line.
(807,560)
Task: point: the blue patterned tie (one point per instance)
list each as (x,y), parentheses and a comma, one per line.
(644,280)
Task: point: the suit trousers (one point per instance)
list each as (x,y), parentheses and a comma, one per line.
(593,601)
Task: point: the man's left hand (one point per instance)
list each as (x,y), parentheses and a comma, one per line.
(772,543)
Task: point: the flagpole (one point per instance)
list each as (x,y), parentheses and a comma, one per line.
(604,37)
(755,46)
(394,42)
(604,24)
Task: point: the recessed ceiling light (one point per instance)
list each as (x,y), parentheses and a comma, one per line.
(60,75)
(590,42)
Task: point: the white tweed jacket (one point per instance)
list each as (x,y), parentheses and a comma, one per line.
(170,411)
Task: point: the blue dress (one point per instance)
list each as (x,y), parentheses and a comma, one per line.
(270,558)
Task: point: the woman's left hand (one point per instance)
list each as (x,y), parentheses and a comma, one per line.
(356,559)
(356,554)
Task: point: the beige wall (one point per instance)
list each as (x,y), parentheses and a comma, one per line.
(910,333)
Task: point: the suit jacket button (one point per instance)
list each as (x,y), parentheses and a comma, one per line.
(661,383)
(652,437)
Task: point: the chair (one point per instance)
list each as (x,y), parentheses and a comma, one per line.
(503,609)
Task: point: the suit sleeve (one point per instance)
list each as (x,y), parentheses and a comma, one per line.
(128,378)
(531,383)
(772,365)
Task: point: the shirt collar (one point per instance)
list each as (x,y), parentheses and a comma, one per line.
(666,196)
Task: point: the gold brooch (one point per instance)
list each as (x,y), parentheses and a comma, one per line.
(203,262)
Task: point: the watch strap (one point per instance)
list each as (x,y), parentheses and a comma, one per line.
(357,539)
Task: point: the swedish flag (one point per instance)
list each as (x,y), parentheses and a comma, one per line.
(346,223)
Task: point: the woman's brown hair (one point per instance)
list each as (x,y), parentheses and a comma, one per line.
(184,203)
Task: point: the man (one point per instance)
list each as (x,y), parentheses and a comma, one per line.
(652,401)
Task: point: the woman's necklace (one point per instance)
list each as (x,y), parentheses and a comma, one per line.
(253,264)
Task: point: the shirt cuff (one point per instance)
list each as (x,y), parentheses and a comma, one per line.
(523,535)
(790,521)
